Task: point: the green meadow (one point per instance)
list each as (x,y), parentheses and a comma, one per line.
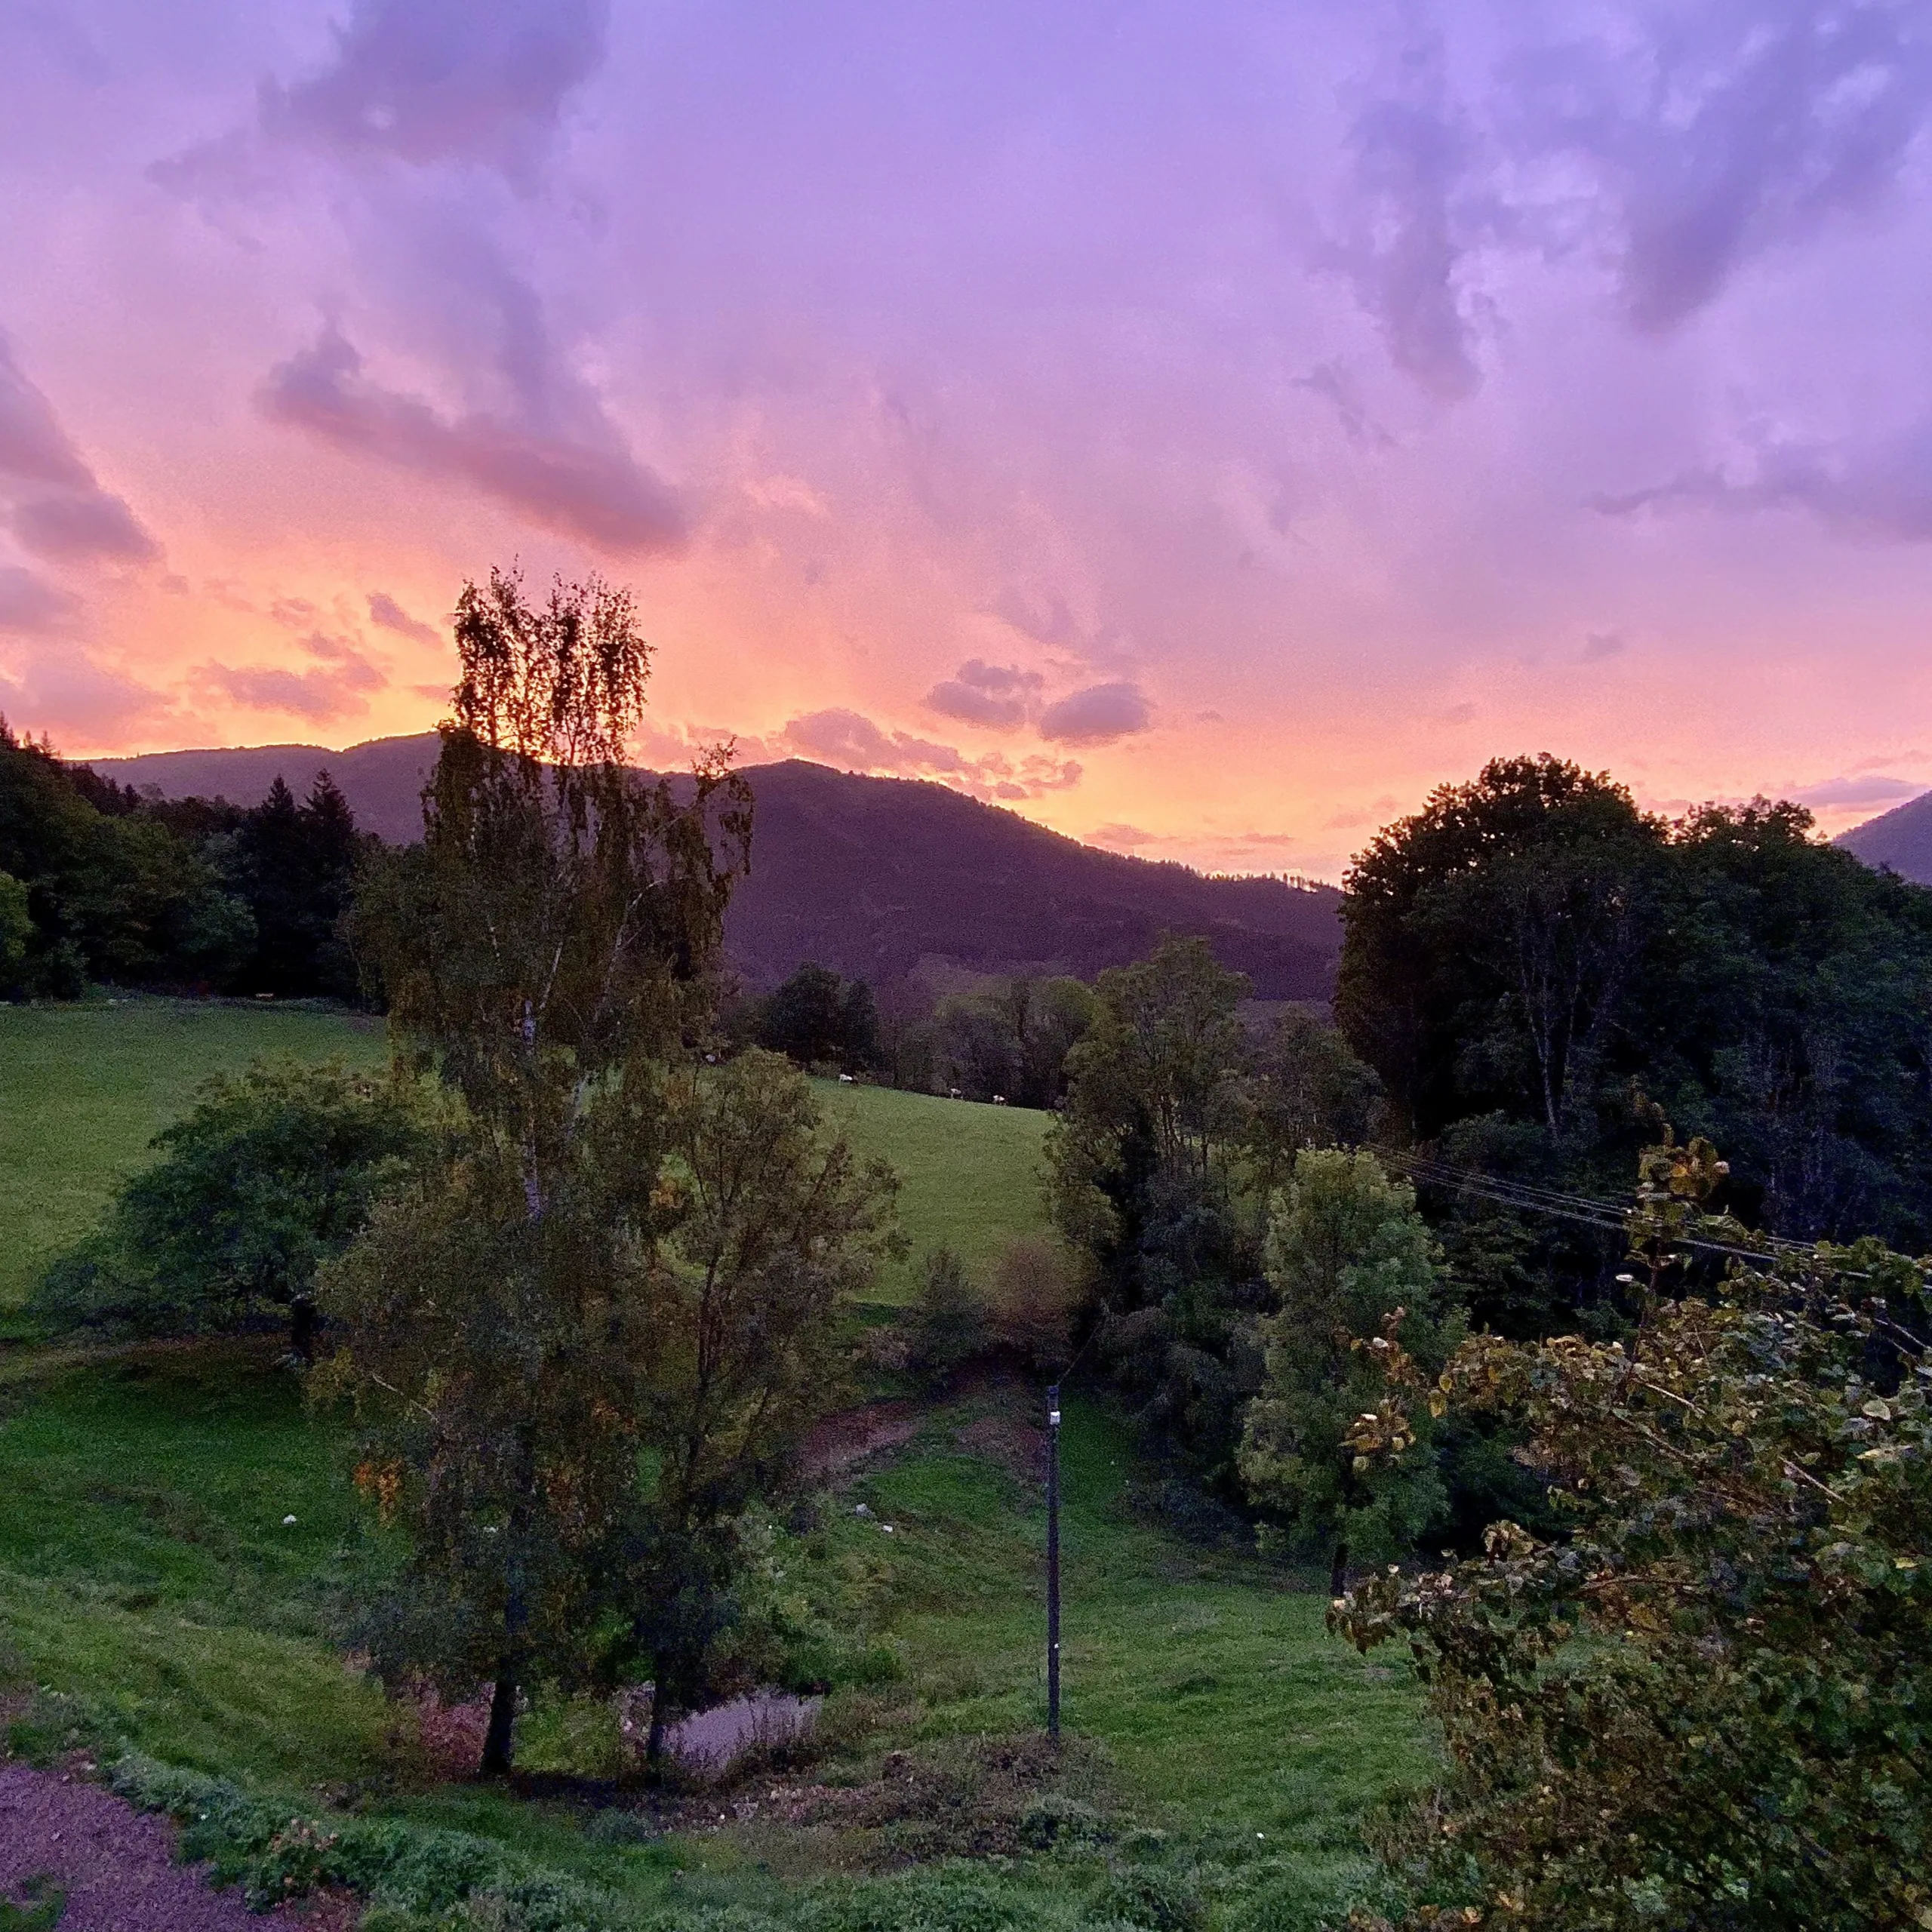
(154,1597)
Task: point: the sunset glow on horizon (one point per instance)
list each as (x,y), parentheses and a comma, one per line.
(1202,427)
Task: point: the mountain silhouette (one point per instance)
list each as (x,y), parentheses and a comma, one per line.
(1901,838)
(875,877)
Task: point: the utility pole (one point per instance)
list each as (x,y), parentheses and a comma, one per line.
(1053,1562)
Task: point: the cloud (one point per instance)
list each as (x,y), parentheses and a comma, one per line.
(972,707)
(662,747)
(1041,614)
(31,607)
(852,741)
(422,81)
(1409,149)
(1599,645)
(385,611)
(59,510)
(65,692)
(1333,382)
(1097,716)
(997,696)
(33,447)
(596,493)
(78,528)
(335,691)
(1731,130)
(1871,788)
(1120,837)
(1881,491)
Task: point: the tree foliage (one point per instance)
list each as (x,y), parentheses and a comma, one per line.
(190,893)
(587,1337)
(1144,1164)
(1352,1267)
(271,1174)
(768,1227)
(816,1019)
(1708,1702)
(1531,953)
(108,897)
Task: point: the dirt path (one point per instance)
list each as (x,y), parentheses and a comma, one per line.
(116,1865)
(835,1443)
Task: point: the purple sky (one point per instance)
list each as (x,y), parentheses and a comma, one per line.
(1205,427)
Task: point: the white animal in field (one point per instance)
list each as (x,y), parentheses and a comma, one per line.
(844,1080)
(999,1099)
(952,1093)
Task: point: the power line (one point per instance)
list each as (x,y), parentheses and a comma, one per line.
(1609,1217)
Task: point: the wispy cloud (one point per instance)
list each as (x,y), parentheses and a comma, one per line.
(385,612)
(596,492)
(58,510)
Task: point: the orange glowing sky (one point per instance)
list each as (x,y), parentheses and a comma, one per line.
(1203,428)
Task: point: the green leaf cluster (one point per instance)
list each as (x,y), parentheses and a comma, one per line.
(1708,1701)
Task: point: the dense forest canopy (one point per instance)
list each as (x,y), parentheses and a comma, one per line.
(101,884)
(1532,964)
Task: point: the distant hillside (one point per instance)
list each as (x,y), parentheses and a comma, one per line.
(874,876)
(1901,838)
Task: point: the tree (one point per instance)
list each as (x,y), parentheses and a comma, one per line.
(271,1175)
(1011,1038)
(548,951)
(1351,1264)
(816,1019)
(950,1326)
(1145,1174)
(769,1226)
(1488,943)
(1530,955)
(16,926)
(294,865)
(1710,1702)
(115,897)
(1307,1089)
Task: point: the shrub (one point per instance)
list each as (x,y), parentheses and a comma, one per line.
(949,1326)
(1710,1703)
(1035,1297)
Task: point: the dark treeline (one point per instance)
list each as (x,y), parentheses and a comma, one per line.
(99,885)
(1005,1039)
(1539,971)
(1536,977)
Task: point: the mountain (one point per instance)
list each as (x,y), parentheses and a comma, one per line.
(875,877)
(1901,838)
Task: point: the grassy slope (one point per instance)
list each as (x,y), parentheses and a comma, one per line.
(146,1571)
(971,1175)
(83,1090)
(146,1574)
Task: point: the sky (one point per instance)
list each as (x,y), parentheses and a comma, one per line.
(1203,427)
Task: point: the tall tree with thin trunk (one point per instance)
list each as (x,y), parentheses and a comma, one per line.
(545,950)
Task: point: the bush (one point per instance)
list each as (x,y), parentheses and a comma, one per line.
(949,1325)
(1709,1703)
(269,1176)
(1035,1297)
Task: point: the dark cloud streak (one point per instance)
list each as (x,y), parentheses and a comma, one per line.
(598,494)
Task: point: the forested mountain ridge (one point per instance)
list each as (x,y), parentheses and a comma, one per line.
(870,876)
(1901,838)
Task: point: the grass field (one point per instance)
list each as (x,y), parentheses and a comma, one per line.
(970,1177)
(149,1585)
(83,1089)
(153,1596)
